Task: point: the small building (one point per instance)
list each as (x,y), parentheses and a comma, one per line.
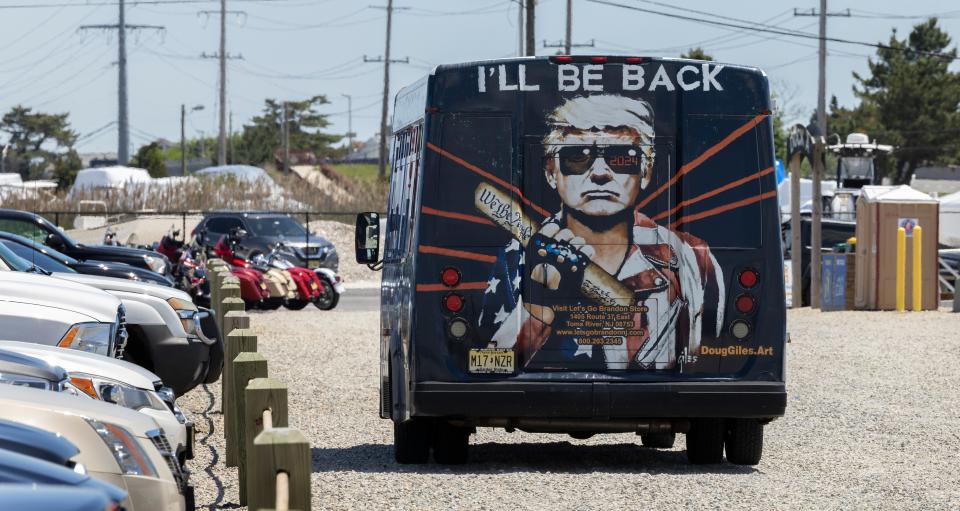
(937,180)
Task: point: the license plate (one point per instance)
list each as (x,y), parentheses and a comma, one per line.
(499,361)
(313,264)
(313,285)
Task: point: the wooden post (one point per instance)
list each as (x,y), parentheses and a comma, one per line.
(816,251)
(281,450)
(261,394)
(237,341)
(246,367)
(229,289)
(234,318)
(796,248)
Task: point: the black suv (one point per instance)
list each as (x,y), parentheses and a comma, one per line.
(264,230)
(41,230)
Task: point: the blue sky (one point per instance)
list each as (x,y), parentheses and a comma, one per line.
(297,48)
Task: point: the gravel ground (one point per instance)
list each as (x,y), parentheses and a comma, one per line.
(871,423)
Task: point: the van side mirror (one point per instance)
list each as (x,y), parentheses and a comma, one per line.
(368,238)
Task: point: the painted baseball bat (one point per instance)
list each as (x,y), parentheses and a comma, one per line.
(504,211)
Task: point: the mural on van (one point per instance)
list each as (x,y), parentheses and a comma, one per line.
(598,285)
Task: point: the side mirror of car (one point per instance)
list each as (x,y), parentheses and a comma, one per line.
(368,237)
(54,241)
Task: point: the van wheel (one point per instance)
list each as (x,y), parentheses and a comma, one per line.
(705,441)
(658,440)
(411,441)
(451,444)
(744,441)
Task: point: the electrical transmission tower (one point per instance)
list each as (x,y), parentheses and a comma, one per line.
(222,56)
(123,116)
(382,164)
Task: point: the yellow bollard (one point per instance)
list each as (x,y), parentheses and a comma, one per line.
(917,269)
(901,269)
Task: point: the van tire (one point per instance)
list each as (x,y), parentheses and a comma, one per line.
(705,441)
(744,441)
(411,441)
(451,444)
(658,440)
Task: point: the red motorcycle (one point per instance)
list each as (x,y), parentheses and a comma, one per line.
(296,287)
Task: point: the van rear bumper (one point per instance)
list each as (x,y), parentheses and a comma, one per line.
(600,400)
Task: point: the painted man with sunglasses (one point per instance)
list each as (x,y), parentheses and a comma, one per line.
(599,157)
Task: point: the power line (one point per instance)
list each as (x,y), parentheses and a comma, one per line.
(133,3)
(773,30)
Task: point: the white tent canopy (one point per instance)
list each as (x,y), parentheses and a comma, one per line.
(950,220)
(246,173)
(10,178)
(116,177)
(827,188)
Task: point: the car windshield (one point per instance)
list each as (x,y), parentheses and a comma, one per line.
(33,256)
(275,226)
(14,261)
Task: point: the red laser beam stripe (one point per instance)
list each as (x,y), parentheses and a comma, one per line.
(484,173)
(456,216)
(715,191)
(735,134)
(462,254)
(465,286)
(721,209)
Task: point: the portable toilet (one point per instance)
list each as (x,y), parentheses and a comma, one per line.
(881,210)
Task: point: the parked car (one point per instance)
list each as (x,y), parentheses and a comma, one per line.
(19,468)
(51,448)
(117,445)
(40,229)
(53,260)
(16,497)
(106,379)
(164,326)
(35,308)
(264,230)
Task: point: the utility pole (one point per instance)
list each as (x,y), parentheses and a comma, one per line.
(183,136)
(567,46)
(566,40)
(123,117)
(382,164)
(822,80)
(349,122)
(286,139)
(222,56)
(519,27)
(531,39)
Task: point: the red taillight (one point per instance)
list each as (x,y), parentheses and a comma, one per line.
(633,60)
(453,302)
(749,278)
(562,59)
(450,276)
(745,304)
(598,60)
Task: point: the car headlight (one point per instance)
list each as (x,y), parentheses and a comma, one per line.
(166,394)
(125,449)
(22,380)
(115,392)
(155,263)
(188,314)
(90,337)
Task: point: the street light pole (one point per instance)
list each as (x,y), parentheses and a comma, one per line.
(183,136)
(349,122)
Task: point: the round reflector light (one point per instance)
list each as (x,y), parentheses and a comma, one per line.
(457,328)
(744,303)
(453,302)
(740,329)
(450,276)
(749,278)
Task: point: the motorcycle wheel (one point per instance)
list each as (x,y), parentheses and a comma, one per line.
(295,305)
(271,304)
(328,298)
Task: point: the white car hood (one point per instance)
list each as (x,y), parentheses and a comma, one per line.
(75,361)
(126,285)
(46,401)
(47,291)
